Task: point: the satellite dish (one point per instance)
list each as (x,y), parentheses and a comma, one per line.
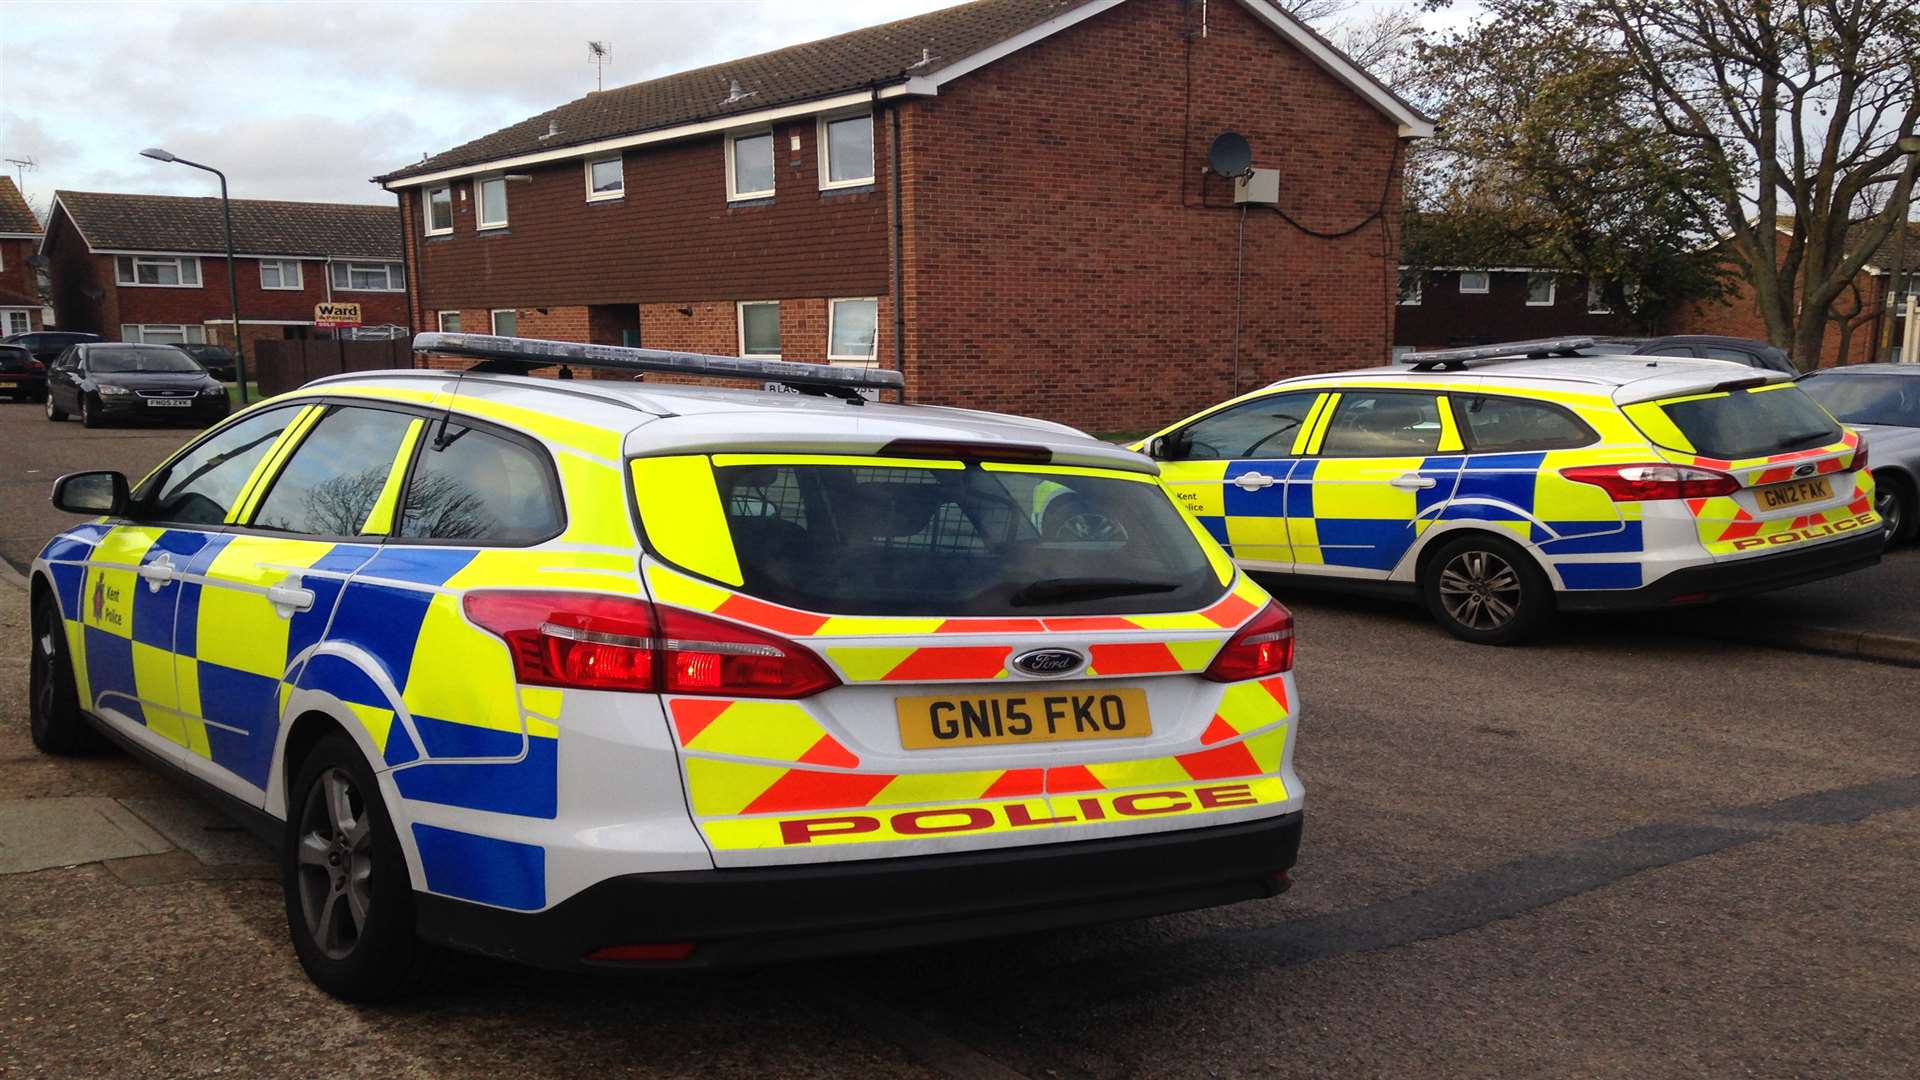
(1230,155)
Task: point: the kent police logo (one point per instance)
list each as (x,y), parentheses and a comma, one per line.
(99,598)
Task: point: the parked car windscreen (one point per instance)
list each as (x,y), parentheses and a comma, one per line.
(1868,399)
(946,539)
(156,359)
(1774,419)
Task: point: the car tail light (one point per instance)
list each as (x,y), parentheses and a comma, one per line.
(1262,647)
(1860,456)
(662,952)
(591,642)
(1645,483)
(35,365)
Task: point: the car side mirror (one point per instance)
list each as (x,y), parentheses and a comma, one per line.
(101,491)
(1157,448)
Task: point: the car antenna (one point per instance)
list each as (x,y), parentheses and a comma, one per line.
(440,440)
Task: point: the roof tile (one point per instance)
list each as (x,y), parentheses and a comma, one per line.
(118,222)
(15,215)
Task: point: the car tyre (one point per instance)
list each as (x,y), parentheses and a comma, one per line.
(1486,590)
(1893,500)
(54,412)
(54,720)
(349,897)
(89,413)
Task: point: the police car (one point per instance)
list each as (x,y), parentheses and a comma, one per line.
(1501,484)
(615,675)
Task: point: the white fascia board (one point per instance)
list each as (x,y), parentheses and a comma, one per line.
(57,208)
(21,235)
(645,138)
(243,255)
(1342,67)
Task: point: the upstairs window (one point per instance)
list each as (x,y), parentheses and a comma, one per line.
(605,179)
(368,276)
(449,322)
(846,151)
(281,274)
(1474,281)
(492,194)
(439,211)
(1542,290)
(760,328)
(1410,282)
(750,166)
(175,271)
(850,328)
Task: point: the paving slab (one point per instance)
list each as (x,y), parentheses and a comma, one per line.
(200,829)
(36,834)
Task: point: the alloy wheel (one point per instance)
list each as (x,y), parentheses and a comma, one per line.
(1886,503)
(335,863)
(42,686)
(1480,590)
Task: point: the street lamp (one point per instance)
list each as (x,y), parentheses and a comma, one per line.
(233,286)
(1896,289)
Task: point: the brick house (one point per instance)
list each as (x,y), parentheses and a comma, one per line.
(19,237)
(1447,307)
(1006,200)
(153,267)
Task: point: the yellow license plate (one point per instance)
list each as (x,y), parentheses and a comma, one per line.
(939,720)
(8,385)
(1794,492)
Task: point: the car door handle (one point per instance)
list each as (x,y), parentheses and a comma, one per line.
(288,599)
(1253,481)
(157,574)
(1413,482)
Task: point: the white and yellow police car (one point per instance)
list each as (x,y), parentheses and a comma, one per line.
(1500,484)
(618,675)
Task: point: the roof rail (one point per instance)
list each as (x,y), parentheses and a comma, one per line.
(517,355)
(1457,359)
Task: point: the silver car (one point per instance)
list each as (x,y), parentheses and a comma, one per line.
(1882,402)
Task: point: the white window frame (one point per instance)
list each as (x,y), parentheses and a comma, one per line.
(865,358)
(134,262)
(389,265)
(740,327)
(825,151)
(773,156)
(1486,283)
(7,316)
(1419,288)
(493,321)
(480,203)
(440,321)
(190,333)
(426,210)
(1553,290)
(299,275)
(606,196)
(1597,298)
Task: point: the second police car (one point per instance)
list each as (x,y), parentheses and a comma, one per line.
(1501,484)
(615,675)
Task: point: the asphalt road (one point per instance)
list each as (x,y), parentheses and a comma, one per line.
(1622,853)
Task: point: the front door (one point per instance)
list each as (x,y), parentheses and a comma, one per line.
(1230,468)
(1383,464)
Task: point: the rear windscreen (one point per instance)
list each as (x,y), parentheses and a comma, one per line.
(1752,423)
(943,539)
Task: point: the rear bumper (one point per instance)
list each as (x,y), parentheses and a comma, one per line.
(25,383)
(739,917)
(1741,577)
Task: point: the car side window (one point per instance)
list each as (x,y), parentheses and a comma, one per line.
(202,485)
(329,485)
(1383,424)
(1670,350)
(470,484)
(1263,427)
(1714,352)
(1495,424)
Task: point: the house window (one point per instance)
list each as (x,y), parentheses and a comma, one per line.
(1541,290)
(1597,298)
(1410,282)
(175,271)
(439,211)
(605,179)
(750,165)
(163,334)
(368,276)
(846,151)
(16,322)
(449,322)
(506,322)
(760,328)
(851,326)
(280,274)
(1473,281)
(492,193)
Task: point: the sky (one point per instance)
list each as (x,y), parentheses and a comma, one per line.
(307,100)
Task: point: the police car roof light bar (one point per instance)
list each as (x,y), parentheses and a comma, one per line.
(1537,349)
(535,353)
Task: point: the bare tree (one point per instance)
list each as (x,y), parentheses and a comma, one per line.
(1801,106)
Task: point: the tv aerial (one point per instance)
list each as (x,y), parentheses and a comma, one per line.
(599,54)
(20,167)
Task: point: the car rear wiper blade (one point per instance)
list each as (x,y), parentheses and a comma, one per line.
(1087,588)
(1807,437)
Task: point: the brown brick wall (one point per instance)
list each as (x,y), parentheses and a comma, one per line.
(210,301)
(17,285)
(1738,315)
(1445,317)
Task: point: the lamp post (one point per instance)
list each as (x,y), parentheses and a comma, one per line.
(233,281)
(1896,291)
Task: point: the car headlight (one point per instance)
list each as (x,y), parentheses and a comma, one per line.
(109,390)
(212,390)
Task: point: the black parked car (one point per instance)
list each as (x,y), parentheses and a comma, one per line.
(46,345)
(1705,346)
(21,376)
(217,359)
(108,380)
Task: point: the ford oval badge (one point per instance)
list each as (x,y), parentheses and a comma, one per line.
(1049,663)
(1806,470)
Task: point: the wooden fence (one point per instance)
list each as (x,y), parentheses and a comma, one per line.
(281,366)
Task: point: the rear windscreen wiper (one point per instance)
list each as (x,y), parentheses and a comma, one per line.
(1087,588)
(1807,437)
